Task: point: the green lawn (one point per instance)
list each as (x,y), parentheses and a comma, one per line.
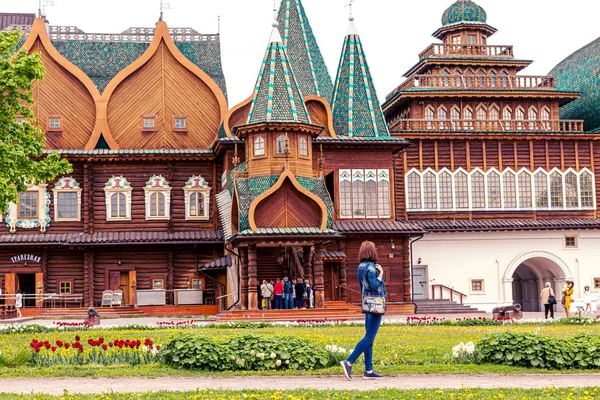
(398,349)
(464,394)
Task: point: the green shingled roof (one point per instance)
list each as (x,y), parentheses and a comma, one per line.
(580,72)
(277,97)
(355,106)
(464,11)
(302,48)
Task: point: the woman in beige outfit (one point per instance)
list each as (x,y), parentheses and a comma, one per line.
(545,295)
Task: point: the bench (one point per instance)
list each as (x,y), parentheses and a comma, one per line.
(8,312)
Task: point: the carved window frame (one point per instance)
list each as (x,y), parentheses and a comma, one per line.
(197,185)
(176,119)
(66,184)
(354,201)
(259,147)
(42,220)
(55,123)
(146,128)
(118,185)
(157,185)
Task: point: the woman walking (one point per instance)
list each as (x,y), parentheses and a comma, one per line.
(567,293)
(370,280)
(547,296)
(587,299)
(19,303)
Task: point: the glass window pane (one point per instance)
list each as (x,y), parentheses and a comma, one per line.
(461,183)
(430,191)
(556,190)
(541,190)
(414,191)
(478,190)
(571,195)
(445,191)
(494,192)
(510,191)
(345,198)
(371,198)
(587,190)
(525,199)
(358,193)
(384,198)
(67,204)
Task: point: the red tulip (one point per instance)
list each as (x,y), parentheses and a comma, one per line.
(67,346)
(77,338)
(104,347)
(53,348)
(110,344)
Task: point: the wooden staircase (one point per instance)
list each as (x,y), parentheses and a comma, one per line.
(81,313)
(428,307)
(334,310)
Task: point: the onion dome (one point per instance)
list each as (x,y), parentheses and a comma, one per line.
(580,72)
(303,50)
(277,97)
(464,11)
(355,107)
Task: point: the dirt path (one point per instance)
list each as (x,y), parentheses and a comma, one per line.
(56,386)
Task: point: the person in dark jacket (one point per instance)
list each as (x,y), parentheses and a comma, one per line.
(288,290)
(370,280)
(299,293)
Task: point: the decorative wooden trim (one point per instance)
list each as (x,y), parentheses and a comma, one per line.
(174,127)
(327,106)
(60,127)
(484,150)
(143,127)
(531,156)
(435,155)
(547,156)
(516,155)
(562,156)
(577,156)
(287,175)
(592,165)
(421,155)
(452,155)
(500,164)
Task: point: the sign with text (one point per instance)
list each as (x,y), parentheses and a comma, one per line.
(107,297)
(26,257)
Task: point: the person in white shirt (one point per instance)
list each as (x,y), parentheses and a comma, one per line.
(19,303)
(587,299)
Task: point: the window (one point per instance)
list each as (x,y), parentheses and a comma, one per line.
(429,117)
(413,184)
(556,190)
(456,39)
(198,284)
(158,284)
(476,285)
(478,190)
(65,287)
(468,117)
(596,283)
(504,78)
(67,199)
(149,122)
(571,195)
(28,205)
(510,191)
(118,199)
(54,123)
(366,193)
(303,146)
(541,190)
(461,181)
(157,195)
(282,144)
(430,191)
(21,120)
(520,116)
(570,242)
(259,146)
(445,181)
(454,116)
(545,117)
(533,116)
(471,39)
(197,198)
(525,199)
(586,189)
(481,117)
(442,116)
(494,117)
(494,191)
(180,123)
(492,75)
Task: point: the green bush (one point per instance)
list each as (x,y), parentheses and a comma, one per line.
(244,352)
(539,351)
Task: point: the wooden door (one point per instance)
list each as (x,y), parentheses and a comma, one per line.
(39,289)
(420,286)
(132,287)
(114,280)
(328,281)
(10,283)
(124,286)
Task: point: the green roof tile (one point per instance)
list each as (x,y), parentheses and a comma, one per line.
(464,11)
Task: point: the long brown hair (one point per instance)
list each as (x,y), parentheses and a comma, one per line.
(367,252)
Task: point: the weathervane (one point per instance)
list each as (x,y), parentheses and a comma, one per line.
(349,5)
(163,6)
(274,10)
(42,7)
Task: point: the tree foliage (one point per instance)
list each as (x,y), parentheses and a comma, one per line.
(22,159)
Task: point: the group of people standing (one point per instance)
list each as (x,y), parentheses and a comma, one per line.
(549,299)
(285,294)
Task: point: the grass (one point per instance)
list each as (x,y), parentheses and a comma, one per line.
(463,394)
(398,350)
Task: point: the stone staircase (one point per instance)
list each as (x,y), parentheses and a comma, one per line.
(334,310)
(444,307)
(81,313)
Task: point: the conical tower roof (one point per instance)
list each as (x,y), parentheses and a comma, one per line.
(355,106)
(303,50)
(277,97)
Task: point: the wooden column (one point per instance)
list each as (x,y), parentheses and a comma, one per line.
(170,277)
(90,198)
(319,283)
(343,274)
(308,274)
(406,278)
(89,279)
(244,277)
(252,278)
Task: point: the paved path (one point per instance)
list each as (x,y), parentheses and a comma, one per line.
(56,386)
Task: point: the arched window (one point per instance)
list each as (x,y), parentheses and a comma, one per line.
(303,146)
(196,208)
(586,188)
(481,117)
(541,190)
(371,193)
(492,75)
(259,146)
(468,118)
(525,199)
(461,184)
(445,77)
(157,205)
(545,116)
(383,194)
(532,116)
(456,78)
(413,182)
(503,78)
(481,77)
(507,117)
(117,192)
(454,116)
(478,189)
(520,117)
(571,194)
(430,191)
(509,186)
(446,201)
(118,205)
(358,194)
(556,190)
(469,80)
(197,199)
(494,117)
(345,193)
(429,116)
(442,116)
(282,143)
(494,190)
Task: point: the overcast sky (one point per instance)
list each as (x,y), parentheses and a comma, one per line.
(393,32)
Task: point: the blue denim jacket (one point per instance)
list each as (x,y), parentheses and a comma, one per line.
(374,285)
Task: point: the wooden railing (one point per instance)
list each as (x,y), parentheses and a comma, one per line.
(353,296)
(469,50)
(442,290)
(487,125)
(493,82)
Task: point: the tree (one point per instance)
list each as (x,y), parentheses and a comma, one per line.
(22,159)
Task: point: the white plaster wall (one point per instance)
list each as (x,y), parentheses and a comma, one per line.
(453,259)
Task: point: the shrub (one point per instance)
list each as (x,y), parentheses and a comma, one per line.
(244,352)
(540,351)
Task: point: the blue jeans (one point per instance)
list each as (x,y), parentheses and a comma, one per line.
(288,304)
(278,302)
(365,346)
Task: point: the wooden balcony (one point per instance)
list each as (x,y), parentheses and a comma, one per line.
(467,50)
(480,125)
(480,82)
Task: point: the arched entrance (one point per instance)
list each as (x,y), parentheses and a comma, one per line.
(527,274)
